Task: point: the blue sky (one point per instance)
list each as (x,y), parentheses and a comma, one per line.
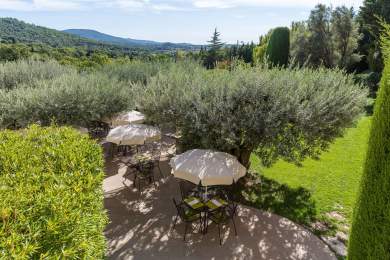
(167,20)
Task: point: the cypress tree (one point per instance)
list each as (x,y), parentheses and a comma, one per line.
(370,233)
(278,48)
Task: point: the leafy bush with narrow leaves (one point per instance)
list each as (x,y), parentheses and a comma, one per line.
(13,74)
(134,71)
(51,198)
(75,99)
(370,233)
(278,113)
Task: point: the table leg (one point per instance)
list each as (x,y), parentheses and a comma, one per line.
(204,222)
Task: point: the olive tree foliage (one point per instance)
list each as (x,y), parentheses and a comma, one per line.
(13,74)
(74,99)
(276,113)
(134,71)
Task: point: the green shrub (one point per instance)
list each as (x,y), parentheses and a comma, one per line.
(278,47)
(135,71)
(370,79)
(68,99)
(370,233)
(51,198)
(13,74)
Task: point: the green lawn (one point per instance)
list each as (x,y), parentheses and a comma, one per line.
(333,180)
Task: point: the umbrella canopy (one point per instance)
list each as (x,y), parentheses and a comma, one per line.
(132,117)
(207,167)
(134,134)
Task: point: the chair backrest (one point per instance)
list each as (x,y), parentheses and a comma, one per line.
(145,168)
(185,188)
(220,214)
(179,208)
(232,208)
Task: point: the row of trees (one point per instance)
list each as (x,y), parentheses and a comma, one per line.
(80,57)
(328,38)
(288,113)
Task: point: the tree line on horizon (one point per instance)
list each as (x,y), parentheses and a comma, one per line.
(331,37)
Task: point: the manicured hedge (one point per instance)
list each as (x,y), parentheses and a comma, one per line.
(278,48)
(370,233)
(51,199)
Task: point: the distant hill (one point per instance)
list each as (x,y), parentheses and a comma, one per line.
(102,37)
(15,31)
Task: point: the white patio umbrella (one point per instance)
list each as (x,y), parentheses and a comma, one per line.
(133,134)
(207,167)
(125,118)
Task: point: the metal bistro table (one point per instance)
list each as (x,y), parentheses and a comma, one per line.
(204,206)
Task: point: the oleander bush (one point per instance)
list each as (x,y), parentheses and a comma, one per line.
(51,198)
(13,74)
(76,99)
(370,233)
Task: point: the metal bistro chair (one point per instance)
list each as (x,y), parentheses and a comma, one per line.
(156,157)
(228,193)
(143,173)
(187,215)
(220,216)
(187,189)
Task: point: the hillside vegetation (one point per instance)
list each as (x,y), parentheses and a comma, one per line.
(15,31)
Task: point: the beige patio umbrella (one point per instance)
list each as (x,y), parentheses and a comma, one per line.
(125,118)
(207,167)
(133,134)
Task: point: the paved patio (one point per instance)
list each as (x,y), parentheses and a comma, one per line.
(141,226)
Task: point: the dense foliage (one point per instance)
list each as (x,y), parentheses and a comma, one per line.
(259,52)
(136,71)
(20,72)
(68,98)
(278,47)
(329,38)
(287,113)
(370,16)
(371,224)
(51,195)
(214,51)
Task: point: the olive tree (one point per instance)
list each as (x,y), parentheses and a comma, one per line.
(276,113)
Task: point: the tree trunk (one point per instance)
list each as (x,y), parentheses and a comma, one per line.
(243,155)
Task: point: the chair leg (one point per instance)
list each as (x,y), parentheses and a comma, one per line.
(201,227)
(159,169)
(154,182)
(234,225)
(174,223)
(185,231)
(219,233)
(135,178)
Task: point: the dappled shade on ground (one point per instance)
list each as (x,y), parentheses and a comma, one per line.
(141,227)
(295,204)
